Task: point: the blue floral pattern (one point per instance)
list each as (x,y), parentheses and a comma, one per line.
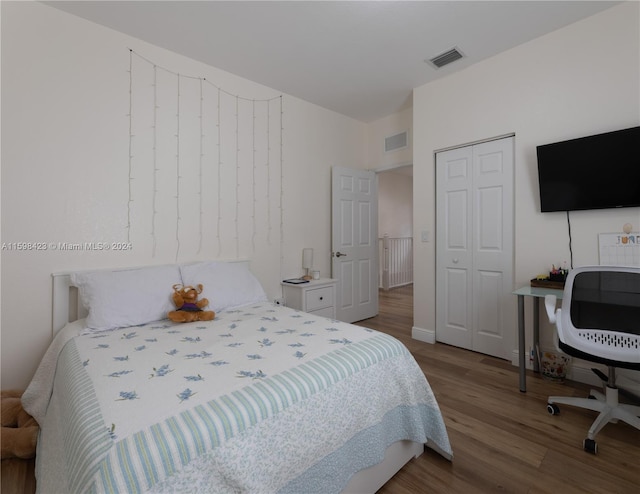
(159,357)
(253,368)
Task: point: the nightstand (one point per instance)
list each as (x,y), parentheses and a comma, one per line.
(316,297)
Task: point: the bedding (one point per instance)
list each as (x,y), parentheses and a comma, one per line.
(262,399)
(226,284)
(117,299)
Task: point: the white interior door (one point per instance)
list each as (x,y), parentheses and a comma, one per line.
(474,259)
(354,242)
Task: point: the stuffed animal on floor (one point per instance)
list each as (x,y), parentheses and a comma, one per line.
(19,429)
(188,307)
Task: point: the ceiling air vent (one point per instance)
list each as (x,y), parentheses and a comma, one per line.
(446,58)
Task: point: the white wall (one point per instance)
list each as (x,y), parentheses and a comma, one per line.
(378,130)
(580,80)
(395,187)
(395,204)
(66,174)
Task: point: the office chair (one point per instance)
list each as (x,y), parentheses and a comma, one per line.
(600,322)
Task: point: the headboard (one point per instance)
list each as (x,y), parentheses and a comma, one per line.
(66,301)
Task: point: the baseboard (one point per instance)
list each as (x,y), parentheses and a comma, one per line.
(425,335)
(527,358)
(583,374)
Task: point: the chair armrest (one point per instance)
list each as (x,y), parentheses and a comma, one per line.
(550,305)
(554,318)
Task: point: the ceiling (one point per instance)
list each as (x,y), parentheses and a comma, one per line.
(358,58)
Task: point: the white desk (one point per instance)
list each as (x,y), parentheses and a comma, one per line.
(537,294)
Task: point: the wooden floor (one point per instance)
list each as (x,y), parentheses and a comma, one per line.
(17,476)
(504,440)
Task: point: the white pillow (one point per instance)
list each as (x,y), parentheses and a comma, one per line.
(118,299)
(226,284)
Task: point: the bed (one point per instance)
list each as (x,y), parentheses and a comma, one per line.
(261,399)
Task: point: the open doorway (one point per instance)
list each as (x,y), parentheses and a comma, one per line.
(395,234)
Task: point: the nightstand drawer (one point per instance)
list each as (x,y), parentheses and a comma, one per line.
(319,298)
(326,312)
(316,296)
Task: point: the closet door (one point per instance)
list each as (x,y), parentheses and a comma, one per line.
(474,258)
(454,196)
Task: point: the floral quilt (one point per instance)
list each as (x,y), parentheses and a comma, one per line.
(262,399)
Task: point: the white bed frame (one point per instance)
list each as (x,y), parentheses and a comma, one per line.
(67,308)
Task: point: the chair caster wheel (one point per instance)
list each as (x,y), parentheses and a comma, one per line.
(553,409)
(590,446)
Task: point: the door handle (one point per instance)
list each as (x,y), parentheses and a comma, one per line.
(455,261)
(339,254)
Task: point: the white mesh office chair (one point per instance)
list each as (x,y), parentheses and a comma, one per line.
(600,322)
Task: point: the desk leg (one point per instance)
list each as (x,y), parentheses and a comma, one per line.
(521,351)
(536,333)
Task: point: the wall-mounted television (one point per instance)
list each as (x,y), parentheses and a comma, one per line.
(595,172)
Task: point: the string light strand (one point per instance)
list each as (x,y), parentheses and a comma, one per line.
(253,177)
(219,182)
(186,110)
(281,190)
(207,81)
(155,163)
(237,212)
(268,173)
(200,157)
(178,170)
(130,198)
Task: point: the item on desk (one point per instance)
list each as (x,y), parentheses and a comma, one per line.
(558,274)
(555,279)
(545,282)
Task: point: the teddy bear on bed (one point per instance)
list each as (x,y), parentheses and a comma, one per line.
(188,307)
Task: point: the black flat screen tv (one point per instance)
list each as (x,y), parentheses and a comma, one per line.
(595,172)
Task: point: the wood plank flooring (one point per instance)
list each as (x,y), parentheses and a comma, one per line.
(504,440)
(18,476)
